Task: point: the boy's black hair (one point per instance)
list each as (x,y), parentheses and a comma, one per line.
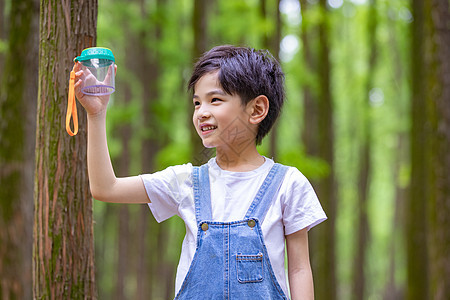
(248,73)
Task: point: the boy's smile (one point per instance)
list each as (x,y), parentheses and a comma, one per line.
(221,120)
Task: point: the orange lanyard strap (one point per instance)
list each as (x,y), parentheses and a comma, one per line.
(72,107)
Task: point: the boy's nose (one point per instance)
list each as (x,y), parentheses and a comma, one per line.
(203,114)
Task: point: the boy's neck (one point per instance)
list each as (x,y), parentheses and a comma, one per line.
(247,160)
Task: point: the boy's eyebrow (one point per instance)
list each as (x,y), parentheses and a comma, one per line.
(213,92)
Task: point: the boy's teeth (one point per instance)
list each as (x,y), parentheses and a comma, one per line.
(206,128)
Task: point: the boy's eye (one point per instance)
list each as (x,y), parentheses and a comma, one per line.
(215,100)
(196,103)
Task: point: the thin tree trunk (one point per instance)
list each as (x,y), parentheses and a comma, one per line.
(200,154)
(263,12)
(124,253)
(105,261)
(149,73)
(439,202)
(416,221)
(392,290)
(63,265)
(124,240)
(272,43)
(3,33)
(323,242)
(142,271)
(365,164)
(162,241)
(310,113)
(18,90)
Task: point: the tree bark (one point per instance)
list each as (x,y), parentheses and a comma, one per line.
(18,89)
(63,265)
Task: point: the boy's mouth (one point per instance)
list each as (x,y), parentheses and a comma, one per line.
(207,128)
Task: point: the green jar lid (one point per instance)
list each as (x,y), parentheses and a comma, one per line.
(95,52)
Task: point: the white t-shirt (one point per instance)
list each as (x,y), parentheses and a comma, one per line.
(296,207)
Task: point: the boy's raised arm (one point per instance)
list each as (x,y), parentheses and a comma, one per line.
(104,184)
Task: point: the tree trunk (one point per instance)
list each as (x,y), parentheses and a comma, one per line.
(200,154)
(416,221)
(272,43)
(365,165)
(323,241)
(63,265)
(392,291)
(142,248)
(18,89)
(3,33)
(310,113)
(105,257)
(150,75)
(125,255)
(439,202)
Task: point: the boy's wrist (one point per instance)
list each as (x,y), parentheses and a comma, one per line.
(96,116)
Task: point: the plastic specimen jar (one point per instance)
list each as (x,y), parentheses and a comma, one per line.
(97,64)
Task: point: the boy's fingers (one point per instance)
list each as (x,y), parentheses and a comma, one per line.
(76,67)
(77,87)
(78,74)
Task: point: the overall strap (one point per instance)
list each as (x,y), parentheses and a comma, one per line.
(266,192)
(202,194)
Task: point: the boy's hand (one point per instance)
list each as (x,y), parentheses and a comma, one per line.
(94,105)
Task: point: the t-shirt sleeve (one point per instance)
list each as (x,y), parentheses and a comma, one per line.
(301,207)
(168,188)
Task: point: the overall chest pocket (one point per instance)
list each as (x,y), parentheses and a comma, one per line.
(249,268)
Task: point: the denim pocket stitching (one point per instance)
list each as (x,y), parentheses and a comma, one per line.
(257,265)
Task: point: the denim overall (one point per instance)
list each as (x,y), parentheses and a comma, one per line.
(231,259)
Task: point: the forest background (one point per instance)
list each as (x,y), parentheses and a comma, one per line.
(367,120)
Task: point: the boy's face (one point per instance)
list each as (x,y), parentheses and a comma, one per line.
(220,119)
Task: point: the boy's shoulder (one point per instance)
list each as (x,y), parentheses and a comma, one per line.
(292,174)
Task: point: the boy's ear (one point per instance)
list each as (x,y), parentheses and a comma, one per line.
(259,107)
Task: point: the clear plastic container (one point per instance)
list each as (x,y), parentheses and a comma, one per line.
(98,66)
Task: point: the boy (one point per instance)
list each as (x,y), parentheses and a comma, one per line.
(240,208)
